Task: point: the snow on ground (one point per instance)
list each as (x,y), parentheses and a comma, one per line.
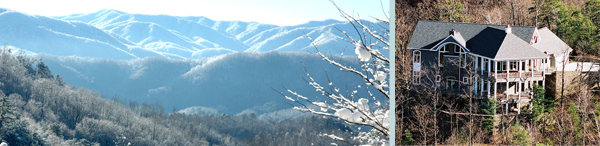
(582,66)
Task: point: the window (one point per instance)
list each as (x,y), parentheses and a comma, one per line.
(416,77)
(513,65)
(501,66)
(456,49)
(484,86)
(438,78)
(463,60)
(445,48)
(417,56)
(465,80)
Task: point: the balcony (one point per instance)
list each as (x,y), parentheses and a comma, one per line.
(516,74)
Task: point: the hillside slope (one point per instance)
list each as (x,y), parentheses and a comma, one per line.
(230,83)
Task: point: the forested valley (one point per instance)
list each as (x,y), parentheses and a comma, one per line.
(38,108)
(570,117)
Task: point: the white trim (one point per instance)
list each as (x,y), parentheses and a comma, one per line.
(440,52)
(508,59)
(421,49)
(480,56)
(438,78)
(505,58)
(436,47)
(465,80)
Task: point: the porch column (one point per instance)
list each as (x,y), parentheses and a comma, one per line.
(481,87)
(481,65)
(475,85)
(489,68)
(544,75)
(527,65)
(489,90)
(519,87)
(519,66)
(531,63)
(507,82)
(495,80)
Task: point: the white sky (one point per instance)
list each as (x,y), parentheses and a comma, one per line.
(278,12)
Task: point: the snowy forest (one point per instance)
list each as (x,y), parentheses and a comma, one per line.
(569,116)
(38,108)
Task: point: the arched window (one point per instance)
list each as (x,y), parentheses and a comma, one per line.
(417,56)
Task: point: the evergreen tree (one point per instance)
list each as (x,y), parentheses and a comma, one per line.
(489,108)
(540,104)
(43,70)
(60,80)
(408,140)
(6,111)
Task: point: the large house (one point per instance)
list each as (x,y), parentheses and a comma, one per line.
(500,62)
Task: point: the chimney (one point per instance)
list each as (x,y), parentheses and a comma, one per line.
(508,29)
(451,32)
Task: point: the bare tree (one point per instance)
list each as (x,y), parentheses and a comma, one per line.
(374,71)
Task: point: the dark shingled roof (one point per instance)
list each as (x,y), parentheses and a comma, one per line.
(428,33)
(499,45)
(483,39)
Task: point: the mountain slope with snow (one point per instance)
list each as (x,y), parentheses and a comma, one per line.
(196,33)
(118,35)
(231,83)
(48,35)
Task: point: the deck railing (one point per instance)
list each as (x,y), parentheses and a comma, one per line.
(516,74)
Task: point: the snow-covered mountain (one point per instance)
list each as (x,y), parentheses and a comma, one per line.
(118,35)
(231,83)
(216,66)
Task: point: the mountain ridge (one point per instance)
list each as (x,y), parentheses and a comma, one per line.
(118,35)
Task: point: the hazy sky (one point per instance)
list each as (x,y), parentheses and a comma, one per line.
(279,12)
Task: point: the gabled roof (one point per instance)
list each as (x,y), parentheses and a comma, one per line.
(487,40)
(549,42)
(499,45)
(451,38)
(429,33)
